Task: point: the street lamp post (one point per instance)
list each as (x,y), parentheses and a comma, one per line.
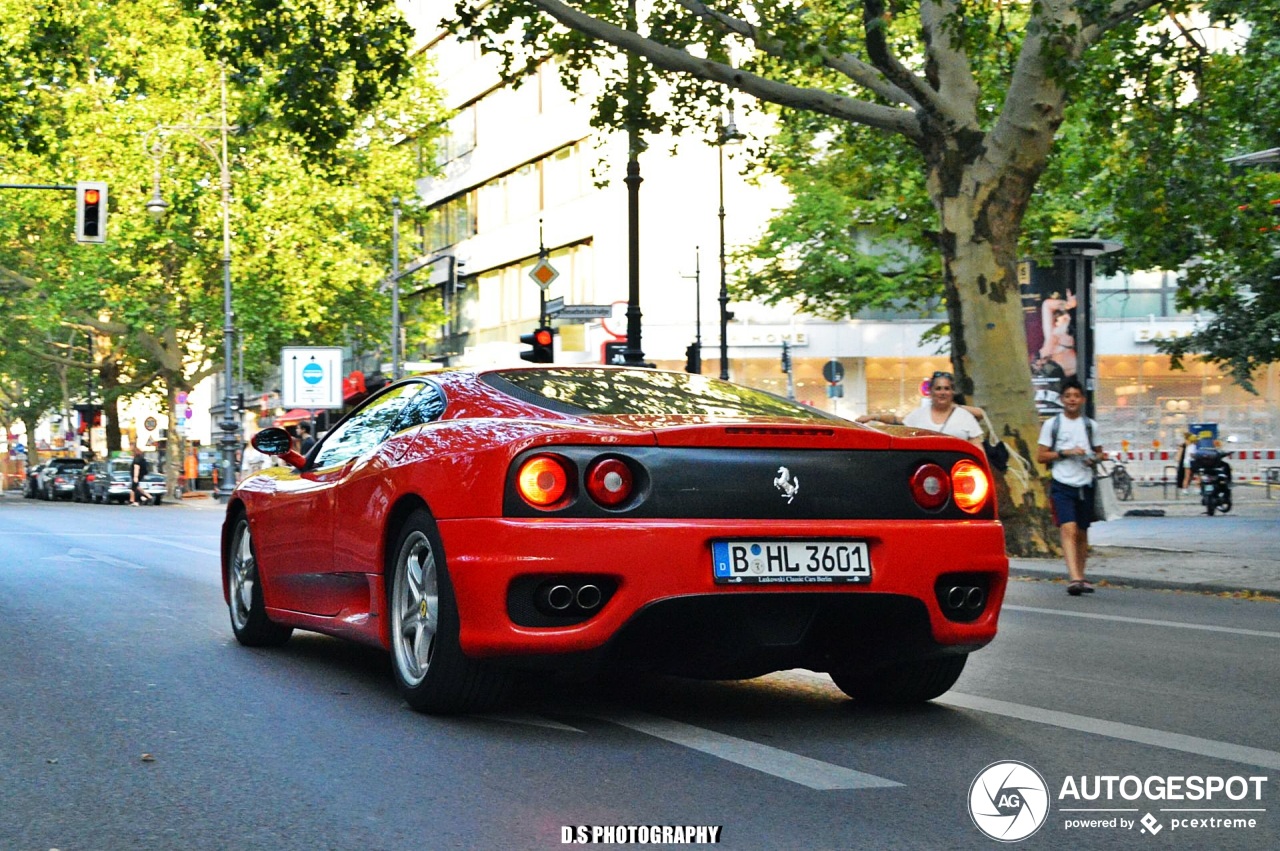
(229,441)
(728,135)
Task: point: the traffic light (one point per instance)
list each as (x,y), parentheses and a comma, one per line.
(540,343)
(91,211)
(693,359)
(786,356)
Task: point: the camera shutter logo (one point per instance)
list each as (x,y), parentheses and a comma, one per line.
(1008,801)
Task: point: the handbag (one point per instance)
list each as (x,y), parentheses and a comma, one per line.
(1106,506)
(997,452)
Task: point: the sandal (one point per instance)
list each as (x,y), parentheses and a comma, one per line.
(1086,586)
(1075,587)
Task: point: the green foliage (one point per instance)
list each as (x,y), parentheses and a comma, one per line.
(320,66)
(310,238)
(858,232)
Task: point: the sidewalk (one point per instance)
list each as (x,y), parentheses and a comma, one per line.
(1184,549)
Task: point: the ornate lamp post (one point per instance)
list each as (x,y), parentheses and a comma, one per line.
(728,134)
(229,441)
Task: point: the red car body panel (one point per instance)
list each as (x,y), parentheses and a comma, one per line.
(322,535)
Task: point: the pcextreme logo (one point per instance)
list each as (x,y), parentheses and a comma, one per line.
(1008,801)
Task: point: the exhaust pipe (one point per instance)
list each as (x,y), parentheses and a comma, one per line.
(974,599)
(956,596)
(588,596)
(559,597)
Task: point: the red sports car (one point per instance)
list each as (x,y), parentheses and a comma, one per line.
(475,523)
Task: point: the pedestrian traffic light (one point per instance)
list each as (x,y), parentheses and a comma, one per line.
(541,345)
(91,211)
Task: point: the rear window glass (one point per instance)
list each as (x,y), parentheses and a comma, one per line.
(620,392)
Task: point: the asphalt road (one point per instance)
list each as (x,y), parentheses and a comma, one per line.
(130,719)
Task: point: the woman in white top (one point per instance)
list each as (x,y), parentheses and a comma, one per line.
(941,414)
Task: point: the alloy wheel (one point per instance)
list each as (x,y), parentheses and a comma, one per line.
(243,576)
(415,614)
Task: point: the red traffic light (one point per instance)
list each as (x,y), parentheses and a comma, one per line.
(91,211)
(540,341)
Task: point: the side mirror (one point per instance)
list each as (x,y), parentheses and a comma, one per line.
(271,441)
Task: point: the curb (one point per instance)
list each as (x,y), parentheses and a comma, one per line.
(1146,582)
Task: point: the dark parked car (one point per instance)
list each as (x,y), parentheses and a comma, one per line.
(31,484)
(113,484)
(57,478)
(83,490)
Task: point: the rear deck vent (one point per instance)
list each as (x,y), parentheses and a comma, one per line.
(798,432)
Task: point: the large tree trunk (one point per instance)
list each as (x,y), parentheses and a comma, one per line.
(980,223)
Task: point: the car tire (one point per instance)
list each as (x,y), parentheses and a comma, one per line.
(905,682)
(249,619)
(156,499)
(433,674)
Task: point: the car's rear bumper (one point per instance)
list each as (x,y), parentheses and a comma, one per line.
(661,576)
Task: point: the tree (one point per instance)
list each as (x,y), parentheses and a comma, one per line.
(976,91)
(310,217)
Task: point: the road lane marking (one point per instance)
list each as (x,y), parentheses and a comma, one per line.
(527,719)
(1143,621)
(1116,730)
(1096,726)
(175,544)
(809,772)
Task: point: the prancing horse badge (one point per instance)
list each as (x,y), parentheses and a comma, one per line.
(787,485)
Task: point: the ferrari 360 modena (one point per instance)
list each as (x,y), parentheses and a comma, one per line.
(477,523)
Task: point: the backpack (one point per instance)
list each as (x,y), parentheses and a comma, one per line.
(1057,421)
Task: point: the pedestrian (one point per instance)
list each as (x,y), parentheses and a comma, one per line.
(1068,443)
(139,470)
(941,414)
(305,440)
(1186,458)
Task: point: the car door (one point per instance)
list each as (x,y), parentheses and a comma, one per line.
(294,526)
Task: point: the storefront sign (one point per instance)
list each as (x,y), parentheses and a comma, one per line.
(765,336)
(1151,335)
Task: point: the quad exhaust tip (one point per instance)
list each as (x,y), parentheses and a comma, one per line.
(966,597)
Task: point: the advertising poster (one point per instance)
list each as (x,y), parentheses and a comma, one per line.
(1049,307)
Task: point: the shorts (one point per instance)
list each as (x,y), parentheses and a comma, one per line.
(1071,504)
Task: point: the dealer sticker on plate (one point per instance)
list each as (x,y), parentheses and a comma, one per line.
(759,562)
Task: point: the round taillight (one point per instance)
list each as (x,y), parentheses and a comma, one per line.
(930,487)
(970,484)
(609,481)
(542,480)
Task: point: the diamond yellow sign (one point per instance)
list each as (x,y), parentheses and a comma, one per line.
(543,273)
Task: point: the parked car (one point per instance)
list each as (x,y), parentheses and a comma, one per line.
(56,479)
(31,485)
(477,522)
(83,490)
(115,484)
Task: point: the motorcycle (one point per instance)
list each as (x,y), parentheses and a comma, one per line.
(1215,480)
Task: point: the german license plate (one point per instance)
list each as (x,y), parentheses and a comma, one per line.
(815,562)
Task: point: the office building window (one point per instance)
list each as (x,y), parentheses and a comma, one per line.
(451,222)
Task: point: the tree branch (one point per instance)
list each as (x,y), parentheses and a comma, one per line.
(1120,11)
(898,74)
(671,59)
(846,64)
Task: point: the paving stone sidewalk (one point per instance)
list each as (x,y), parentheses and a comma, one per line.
(1183,549)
